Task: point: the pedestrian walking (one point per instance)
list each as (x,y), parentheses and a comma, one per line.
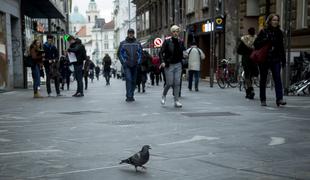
(143,69)
(97,71)
(250,68)
(155,72)
(65,70)
(50,64)
(79,51)
(130,54)
(106,63)
(195,56)
(272,35)
(171,55)
(36,58)
(88,67)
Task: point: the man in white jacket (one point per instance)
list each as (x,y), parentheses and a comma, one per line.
(195,56)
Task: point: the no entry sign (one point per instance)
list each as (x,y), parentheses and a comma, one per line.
(158,42)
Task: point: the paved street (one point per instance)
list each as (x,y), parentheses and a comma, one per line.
(217,135)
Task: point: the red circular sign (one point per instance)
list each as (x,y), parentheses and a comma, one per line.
(158,42)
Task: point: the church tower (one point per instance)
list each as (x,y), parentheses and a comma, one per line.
(92,14)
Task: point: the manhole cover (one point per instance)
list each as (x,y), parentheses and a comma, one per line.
(80,112)
(201,114)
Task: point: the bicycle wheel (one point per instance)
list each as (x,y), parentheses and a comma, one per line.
(232,82)
(221,82)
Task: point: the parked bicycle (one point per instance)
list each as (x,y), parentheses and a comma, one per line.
(225,74)
(302,87)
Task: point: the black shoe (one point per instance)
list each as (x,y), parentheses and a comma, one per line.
(78,95)
(74,95)
(143,90)
(263,103)
(196,89)
(280,102)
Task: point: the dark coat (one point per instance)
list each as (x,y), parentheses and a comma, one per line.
(274,36)
(130,52)
(170,53)
(80,52)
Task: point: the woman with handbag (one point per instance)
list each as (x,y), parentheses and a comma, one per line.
(275,58)
(36,56)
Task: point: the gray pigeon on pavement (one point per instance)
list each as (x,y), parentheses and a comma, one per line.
(140,158)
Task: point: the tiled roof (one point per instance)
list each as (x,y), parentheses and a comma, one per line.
(81,32)
(109,25)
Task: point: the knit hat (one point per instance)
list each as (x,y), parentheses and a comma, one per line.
(174,28)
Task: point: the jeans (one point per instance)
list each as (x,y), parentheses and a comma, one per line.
(173,79)
(35,71)
(130,77)
(78,71)
(107,76)
(276,75)
(192,73)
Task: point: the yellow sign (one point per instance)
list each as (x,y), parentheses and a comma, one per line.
(261,22)
(219,21)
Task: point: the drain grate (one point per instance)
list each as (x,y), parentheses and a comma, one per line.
(81,112)
(201,114)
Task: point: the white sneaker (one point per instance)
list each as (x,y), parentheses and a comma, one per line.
(177,104)
(163,100)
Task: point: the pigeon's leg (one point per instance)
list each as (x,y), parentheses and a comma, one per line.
(143,167)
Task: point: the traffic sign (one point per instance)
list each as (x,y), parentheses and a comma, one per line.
(219,23)
(158,42)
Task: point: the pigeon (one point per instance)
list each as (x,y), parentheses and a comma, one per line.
(139,159)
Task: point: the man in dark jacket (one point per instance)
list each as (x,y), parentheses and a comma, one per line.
(78,49)
(106,63)
(130,53)
(50,61)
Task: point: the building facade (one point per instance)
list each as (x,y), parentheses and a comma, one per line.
(124,16)
(96,34)
(11,64)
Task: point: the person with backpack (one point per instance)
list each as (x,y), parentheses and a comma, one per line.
(245,49)
(79,51)
(195,56)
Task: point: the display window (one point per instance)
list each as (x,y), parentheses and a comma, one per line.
(3,54)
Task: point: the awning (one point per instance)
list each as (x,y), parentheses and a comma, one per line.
(41,9)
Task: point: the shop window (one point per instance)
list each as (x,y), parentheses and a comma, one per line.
(190,6)
(3,59)
(302,14)
(147,20)
(205,4)
(252,8)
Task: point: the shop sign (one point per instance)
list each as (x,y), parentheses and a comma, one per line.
(208,26)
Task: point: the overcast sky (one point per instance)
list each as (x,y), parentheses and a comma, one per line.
(105,7)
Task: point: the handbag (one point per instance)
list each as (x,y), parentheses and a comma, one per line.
(28,62)
(260,55)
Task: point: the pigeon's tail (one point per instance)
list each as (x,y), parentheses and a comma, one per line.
(124,161)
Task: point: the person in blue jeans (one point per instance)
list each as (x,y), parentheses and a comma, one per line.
(195,56)
(171,54)
(130,54)
(36,57)
(273,35)
(79,50)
